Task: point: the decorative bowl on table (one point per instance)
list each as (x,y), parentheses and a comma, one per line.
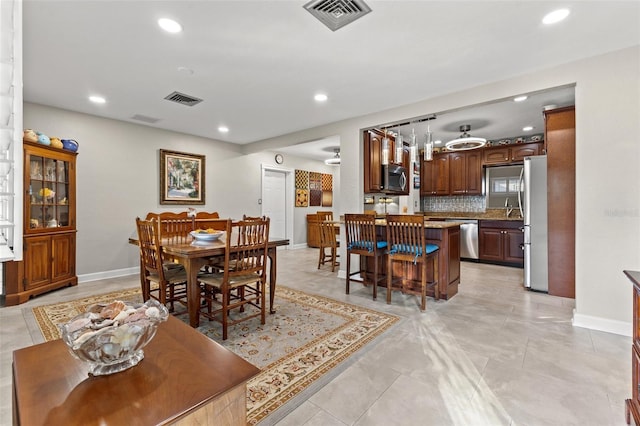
(206,234)
(110,337)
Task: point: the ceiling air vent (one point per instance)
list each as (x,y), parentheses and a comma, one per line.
(183,99)
(335,14)
(145,118)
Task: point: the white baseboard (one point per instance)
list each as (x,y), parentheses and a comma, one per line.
(601,324)
(108,274)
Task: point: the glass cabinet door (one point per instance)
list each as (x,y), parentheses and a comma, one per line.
(48,193)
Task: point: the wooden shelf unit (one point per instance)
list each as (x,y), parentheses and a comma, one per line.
(49,257)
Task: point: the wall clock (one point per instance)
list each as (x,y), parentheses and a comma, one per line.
(279,158)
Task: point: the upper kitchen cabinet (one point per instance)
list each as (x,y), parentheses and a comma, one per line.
(373,155)
(434,176)
(465,175)
(373,161)
(560,139)
(507,154)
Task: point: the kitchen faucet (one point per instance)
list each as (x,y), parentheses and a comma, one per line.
(508,207)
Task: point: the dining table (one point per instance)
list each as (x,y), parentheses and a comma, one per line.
(193,255)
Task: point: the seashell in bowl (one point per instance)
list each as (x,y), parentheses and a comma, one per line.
(111,337)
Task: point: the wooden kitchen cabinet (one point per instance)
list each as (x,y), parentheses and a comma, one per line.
(633,404)
(49,225)
(508,154)
(465,175)
(373,181)
(501,242)
(373,169)
(434,176)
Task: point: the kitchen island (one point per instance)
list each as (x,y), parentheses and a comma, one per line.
(445,235)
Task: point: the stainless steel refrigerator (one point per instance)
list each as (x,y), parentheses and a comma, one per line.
(532,200)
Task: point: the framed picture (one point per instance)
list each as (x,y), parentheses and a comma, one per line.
(182,178)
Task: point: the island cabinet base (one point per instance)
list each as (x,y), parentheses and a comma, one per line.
(448,239)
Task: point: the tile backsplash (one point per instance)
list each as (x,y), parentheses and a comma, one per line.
(458,203)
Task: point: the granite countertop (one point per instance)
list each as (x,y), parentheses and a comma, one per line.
(489,214)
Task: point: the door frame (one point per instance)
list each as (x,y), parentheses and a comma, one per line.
(289,197)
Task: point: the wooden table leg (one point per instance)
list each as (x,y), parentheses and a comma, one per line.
(192,267)
(271,253)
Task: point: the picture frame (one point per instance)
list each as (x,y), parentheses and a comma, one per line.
(182,178)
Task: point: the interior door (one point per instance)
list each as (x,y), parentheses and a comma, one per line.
(274,202)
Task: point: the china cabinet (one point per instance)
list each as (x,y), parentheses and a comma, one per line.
(49,225)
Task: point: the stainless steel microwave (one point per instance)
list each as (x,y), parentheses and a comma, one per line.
(395,178)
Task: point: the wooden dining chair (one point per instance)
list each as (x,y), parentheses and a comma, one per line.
(362,240)
(160,281)
(328,241)
(242,281)
(245,217)
(209,220)
(406,242)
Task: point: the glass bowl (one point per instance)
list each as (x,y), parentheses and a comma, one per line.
(110,337)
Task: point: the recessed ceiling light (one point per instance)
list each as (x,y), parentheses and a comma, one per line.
(169,25)
(223,129)
(527,128)
(320,97)
(437,142)
(555,16)
(520,98)
(97,99)
(185,70)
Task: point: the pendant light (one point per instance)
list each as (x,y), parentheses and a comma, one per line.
(385,150)
(413,147)
(399,148)
(428,145)
(465,141)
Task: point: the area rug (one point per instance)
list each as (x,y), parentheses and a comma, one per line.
(300,347)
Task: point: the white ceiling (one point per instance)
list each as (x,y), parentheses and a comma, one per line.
(258,64)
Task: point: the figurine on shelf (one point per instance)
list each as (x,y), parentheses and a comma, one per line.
(35,170)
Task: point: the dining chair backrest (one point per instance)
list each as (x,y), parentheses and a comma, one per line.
(245,217)
(361,233)
(174,227)
(150,249)
(209,220)
(406,236)
(324,215)
(247,248)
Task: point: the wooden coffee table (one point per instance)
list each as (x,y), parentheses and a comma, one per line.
(184,378)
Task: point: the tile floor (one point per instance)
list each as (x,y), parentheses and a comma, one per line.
(495,354)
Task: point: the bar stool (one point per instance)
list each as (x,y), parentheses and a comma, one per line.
(328,241)
(362,240)
(407,243)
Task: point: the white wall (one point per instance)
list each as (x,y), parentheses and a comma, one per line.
(607,175)
(118,179)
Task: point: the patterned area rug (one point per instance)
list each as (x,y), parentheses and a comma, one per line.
(307,338)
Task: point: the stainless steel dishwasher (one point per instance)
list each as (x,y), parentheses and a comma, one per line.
(468,238)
